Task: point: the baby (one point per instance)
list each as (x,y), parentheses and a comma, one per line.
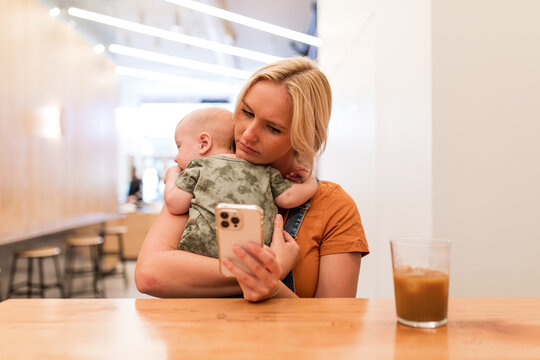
(208,173)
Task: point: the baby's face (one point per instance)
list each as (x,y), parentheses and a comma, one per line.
(187,144)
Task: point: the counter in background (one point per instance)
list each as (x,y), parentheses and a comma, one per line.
(138,223)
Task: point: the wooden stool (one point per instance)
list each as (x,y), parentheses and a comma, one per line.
(93,243)
(117,231)
(28,287)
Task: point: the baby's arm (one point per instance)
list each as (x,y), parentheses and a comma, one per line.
(298,193)
(176,199)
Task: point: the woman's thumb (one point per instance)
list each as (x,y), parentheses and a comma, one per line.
(278,228)
(278,223)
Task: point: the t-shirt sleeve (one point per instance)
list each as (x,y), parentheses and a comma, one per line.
(188,178)
(277,183)
(343,232)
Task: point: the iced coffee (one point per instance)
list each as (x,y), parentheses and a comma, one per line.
(420,268)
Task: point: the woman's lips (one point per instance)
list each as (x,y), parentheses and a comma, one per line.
(246,148)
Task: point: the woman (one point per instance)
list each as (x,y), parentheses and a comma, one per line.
(281,119)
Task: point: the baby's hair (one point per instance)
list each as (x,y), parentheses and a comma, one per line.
(215,121)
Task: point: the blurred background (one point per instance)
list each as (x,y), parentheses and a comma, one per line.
(434,129)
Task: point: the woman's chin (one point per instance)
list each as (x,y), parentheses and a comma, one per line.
(248,157)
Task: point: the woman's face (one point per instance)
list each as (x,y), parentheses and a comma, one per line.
(262,126)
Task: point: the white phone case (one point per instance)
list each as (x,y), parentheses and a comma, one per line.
(237,225)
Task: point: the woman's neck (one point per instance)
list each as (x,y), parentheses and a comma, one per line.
(286,164)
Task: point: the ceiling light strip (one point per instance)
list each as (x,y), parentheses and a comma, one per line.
(248,21)
(175,79)
(170,35)
(178,61)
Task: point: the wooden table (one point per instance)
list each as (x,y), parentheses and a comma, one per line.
(502,328)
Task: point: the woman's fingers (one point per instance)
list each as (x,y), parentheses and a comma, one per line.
(285,248)
(263,282)
(266,257)
(277,236)
(260,262)
(269,249)
(287,237)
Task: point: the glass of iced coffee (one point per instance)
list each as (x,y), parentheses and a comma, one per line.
(421,268)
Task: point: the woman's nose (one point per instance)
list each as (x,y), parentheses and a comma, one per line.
(250,133)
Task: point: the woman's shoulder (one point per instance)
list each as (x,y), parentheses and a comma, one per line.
(328,189)
(332,204)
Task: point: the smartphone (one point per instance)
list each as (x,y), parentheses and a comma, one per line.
(237,225)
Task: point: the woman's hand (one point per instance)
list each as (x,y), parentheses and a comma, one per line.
(284,247)
(265,282)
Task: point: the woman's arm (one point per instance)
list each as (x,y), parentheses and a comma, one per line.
(164,271)
(338,275)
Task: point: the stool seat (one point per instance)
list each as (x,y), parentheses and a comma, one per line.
(39,252)
(29,287)
(113,230)
(93,243)
(84,240)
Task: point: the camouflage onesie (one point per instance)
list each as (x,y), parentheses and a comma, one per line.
(216,179)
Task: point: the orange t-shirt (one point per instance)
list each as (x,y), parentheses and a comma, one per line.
(332,225)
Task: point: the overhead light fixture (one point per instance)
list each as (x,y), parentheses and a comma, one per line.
(173,36)
(175,79)
(99,48)
(54,12)
(178,61)
(248,21)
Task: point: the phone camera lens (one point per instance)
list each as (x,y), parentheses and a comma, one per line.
(225,224)
(224,215)
(235,220)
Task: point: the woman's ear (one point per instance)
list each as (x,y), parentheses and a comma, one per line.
(205,143)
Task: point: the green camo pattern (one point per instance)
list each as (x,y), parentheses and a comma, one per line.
(221,179)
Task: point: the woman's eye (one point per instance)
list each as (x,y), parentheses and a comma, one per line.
(247,113)
(274,130)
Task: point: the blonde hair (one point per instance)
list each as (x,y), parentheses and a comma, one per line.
(215,121)
(311,99)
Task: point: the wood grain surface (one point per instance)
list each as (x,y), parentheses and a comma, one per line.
(490,328)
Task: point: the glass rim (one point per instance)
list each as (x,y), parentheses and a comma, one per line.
(420,240)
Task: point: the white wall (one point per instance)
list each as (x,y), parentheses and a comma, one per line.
(486,146)
(349,159)
(377,58)
(434,130)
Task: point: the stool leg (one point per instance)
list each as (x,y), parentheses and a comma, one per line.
(12,276)
(68,271)
(98,278)
(29,278)
(122,258)
(59,281)
(41,278)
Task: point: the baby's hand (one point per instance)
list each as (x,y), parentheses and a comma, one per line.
(171,174)
(300,175)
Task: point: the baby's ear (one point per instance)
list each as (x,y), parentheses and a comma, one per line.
(205,143)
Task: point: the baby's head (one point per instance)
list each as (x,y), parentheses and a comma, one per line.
(203,133)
